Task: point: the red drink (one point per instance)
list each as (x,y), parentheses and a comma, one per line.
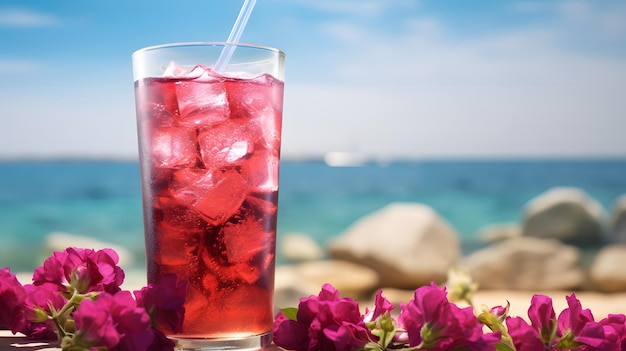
(209,147)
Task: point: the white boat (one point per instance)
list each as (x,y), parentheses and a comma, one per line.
(345,159)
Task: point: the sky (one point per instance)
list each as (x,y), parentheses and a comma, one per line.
(388,78)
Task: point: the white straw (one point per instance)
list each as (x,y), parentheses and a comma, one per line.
(235,35)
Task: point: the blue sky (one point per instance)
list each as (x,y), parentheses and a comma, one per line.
(408,78)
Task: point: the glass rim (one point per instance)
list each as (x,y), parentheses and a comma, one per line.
(207,44)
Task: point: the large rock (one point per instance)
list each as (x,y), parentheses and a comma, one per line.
(565,214)
(297,247)
(59,241)
(289,287)
(618,220)
(607,271)
(305,279)
(408,244)
(526,263)
(499,231)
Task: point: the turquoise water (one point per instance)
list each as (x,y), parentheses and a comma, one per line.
(103,200)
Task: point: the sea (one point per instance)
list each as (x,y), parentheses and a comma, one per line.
(102,199)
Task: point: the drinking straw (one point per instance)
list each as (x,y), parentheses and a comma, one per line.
(235,34)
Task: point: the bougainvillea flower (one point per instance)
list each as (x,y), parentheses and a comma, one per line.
(85,269)
(324,322)
(113,321)
(428,309)
(578,325)
(289,334)
(574,318)
(432,321)
(132,322)
(617,322)
(39,303)
(94,323)
(12,296)
(164,301)
(542,317)
(525,337)
(381,305)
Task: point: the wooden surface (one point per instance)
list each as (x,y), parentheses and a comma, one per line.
(8,341)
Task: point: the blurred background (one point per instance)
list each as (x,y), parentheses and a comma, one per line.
(472,107)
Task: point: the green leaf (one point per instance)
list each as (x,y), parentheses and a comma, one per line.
(290,312)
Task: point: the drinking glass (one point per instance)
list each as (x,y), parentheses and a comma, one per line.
(209,136)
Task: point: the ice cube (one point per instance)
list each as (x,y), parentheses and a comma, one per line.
(174,147)
(225,144)
(249,243)
(259,102)
(156,100)
(201,73)
(202,101)
(179,246)
(261,170)
(183,177)
(173,70)
(179,216)
(249,98)
(253,300)
(215,196)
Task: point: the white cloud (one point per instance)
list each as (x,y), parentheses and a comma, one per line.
(598,17)
(521,91)
(22,17)
(426,54)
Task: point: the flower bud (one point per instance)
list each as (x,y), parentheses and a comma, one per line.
(38,315)
(80,279)
(460,284)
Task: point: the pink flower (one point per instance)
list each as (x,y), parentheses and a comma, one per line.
(431,321)
(85,270)
(133,323)
(324,322)
(579,324)
(164,301)
(542,317)
(113,321)
(95,324)
(37,306)
(12,296)
(381,305)
(525,337)
(618,323)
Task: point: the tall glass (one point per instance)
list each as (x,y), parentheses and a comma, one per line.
(209,147)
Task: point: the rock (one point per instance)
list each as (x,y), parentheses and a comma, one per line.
(298,247)
(408,244)
(351,279)
(607,270)
(565,214)
(526,263)
(500,231)
(59,241)
(289,287)
(305,279)
(618,220)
